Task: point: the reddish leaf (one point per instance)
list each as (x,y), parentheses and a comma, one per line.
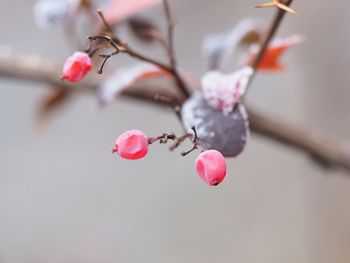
(118,10)
(271,58)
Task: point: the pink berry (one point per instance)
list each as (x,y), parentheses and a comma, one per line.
(211,167)
(76,67)
(132,145)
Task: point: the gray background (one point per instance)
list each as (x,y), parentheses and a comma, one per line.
(65,198)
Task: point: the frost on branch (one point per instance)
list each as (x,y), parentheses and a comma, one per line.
(271,59)
(124,78)
(218,49)
(221,91)
(226,133)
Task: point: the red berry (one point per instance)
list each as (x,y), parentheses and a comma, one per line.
(76,67)
(211,167)
(132,145)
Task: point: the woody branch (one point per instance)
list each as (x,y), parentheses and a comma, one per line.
(324,148)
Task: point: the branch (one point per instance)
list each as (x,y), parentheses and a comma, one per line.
(323,148)
(171,49)
(121,47)
(280,14)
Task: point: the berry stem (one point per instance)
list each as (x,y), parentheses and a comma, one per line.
(163,139)
(179,141)
(121,47)
(195,142)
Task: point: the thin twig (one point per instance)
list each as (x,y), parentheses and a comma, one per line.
(171,24)
(195,142)
(106,25)
(179,141)
(162,139)
(140,56)
(169,101)
(122,47)
(171,50)
(280,14)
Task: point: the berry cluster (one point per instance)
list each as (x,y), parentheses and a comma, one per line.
(133,145)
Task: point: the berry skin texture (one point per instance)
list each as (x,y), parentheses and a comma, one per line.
(211,167)
(132,145)
(76,67)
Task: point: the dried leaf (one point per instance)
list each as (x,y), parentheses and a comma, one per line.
(218,49)
(50,103)
(226,133)
(142,28)
(124,78)
(222,92)
(118,10)
(270,60)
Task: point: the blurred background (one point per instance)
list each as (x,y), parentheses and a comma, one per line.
(65,198)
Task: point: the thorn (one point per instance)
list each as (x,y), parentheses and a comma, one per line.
(270,4)
(278,4)
(286,8)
